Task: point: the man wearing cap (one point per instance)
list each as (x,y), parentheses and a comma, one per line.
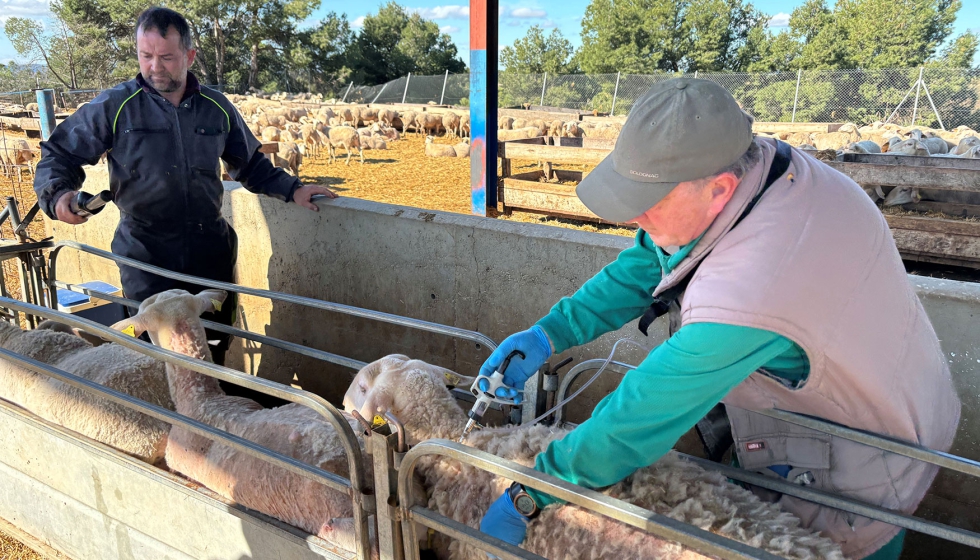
(784,289)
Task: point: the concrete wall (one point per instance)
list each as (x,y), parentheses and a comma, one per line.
(492,276)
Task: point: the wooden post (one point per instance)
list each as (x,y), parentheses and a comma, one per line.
(483,105)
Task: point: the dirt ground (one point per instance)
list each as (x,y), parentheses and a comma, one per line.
(10,549)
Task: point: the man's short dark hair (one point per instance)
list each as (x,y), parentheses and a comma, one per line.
(162,19)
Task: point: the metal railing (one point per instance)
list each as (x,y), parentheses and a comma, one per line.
(355,486)
(885,443)
(479,338)
(689,536)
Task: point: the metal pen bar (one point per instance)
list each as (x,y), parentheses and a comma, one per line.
(892,445)
(575,372)
(863,509)
(885,443)
(692,537)
(474,336)
(317,475)
(248,335)
(349,441)
(468,535)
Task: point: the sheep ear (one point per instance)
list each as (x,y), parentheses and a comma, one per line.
(453,379)
(134,326)
(211,300)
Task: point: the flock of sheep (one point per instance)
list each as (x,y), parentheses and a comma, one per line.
(412,390)
(880,138)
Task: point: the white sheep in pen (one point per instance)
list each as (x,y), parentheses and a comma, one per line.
(110,365)
(415,393)
(173,321)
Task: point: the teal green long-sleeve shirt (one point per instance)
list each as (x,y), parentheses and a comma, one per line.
(673,388)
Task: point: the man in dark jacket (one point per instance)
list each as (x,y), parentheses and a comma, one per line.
(164,134)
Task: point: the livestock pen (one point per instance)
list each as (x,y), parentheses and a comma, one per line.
(409,265)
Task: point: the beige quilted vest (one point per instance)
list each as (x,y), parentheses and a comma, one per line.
(815,262)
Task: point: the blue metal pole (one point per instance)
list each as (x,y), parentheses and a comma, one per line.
(45,107)
(483,105)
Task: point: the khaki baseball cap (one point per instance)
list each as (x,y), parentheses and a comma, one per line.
(680,130)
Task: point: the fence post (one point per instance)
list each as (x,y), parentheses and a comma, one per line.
(612,111)
(408,79)
(45,108)
(929,97)
(380,92)
(346,93)
(796,97)
(542,88)
(444,80)
(695,74)
(918,86)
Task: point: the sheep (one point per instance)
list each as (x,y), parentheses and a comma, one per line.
(864,147)
(387,116)
(845,135)
(368,115)
(965,145)
(571,129)
(289,158)
(517,134)
(387,132)
(935,145)
(311,141)
(110,365)
(450,121)
(345,137)
(415,392)
(464,125)
(374,143)
(438,150)
(555,128)
(462,149)
(910,147)
(520,123)
(428,122)
(16,151)
(408,119)
(172,319)
(270,134)
(505,123)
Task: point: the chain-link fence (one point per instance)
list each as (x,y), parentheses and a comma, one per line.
(931,96)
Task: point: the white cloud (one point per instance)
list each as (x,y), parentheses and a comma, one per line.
(528,13)
(779,20)
(449,29)
(443,12)
(24,8)
(359,22)
(548,24)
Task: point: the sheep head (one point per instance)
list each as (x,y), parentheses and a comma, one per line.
(163,314)
(414,391)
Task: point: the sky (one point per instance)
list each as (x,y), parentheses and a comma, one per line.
(565,15)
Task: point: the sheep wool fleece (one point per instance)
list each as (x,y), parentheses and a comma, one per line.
(826,274)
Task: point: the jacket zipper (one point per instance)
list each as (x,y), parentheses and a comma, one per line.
(185,171)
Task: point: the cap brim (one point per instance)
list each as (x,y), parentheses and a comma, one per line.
(615,198)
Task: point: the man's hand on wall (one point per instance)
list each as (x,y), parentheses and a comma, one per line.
(303,195)
(63,210)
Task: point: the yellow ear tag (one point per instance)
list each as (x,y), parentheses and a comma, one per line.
(216,304)
(130,330)
(452,379)
(379,421)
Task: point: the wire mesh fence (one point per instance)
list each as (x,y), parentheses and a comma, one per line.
(928,96)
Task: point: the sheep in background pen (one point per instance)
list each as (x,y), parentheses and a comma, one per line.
(289,158)
(408,119)
(415,392)
(438,150)
(343,137)
(450,121)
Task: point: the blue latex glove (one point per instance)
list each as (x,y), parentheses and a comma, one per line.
(537,349)
(503,521)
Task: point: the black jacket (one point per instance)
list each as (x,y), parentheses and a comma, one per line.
(163,165)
